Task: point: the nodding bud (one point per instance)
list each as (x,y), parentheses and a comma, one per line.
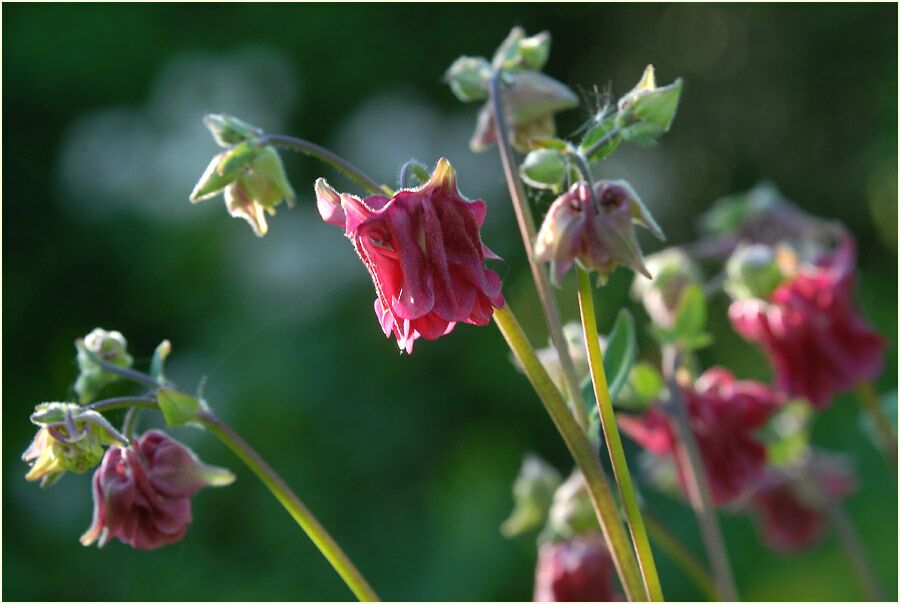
(672,271)
(596,229)
(532,493)
(229,130)
(756,270)
(70,439)
(469,78)
(647,111)
(518,52)
(99,345)
(544,169)
(571,512)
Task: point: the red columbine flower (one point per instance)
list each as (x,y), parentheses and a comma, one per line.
(789,520)
(577,570)
(599,236)
(142,493)
(724,412)
(424,253)
(817,340)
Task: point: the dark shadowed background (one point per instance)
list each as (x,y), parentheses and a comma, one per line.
(408,460)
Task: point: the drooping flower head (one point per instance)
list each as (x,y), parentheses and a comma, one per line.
(816,339)
(423,249)
(579,569)
(789,518)
(599,235)
(142,493)
(724,412)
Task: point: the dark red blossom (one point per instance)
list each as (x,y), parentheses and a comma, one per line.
(816,339)
(577,570)
(424,252)
(789,521)
(142,493)
(724,412)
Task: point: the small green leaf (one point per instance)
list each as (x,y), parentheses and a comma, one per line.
(177,408)
(621,347)
(543,169)
(691,316)
(595,134)
(644,387)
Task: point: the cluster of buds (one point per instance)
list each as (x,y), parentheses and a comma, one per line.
(99,346)
(529,98)
(249,172)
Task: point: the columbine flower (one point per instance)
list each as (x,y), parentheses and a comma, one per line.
(575,570)
(790,519)
(600,236)
(142,493)
(816,339)
(70,439)
(251,176)
(424,253)
(723,412)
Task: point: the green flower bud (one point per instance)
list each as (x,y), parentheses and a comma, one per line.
(108,346)
(571,512)
(647,112)
(229,131)
(519,52)
(543,169)
(70,439)
(469,78)
(532,493)
(672,271)
(756,270)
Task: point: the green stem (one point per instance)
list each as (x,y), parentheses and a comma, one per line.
(289,500)
(614,440)
(282,492)
(581,450)
(696,484)
(322,154)
(527,230)
(868,399)
(685,560)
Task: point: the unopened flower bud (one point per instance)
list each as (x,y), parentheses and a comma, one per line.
(253,180)
(70,439)
(672,271)
(754,271)
(99,345)
(228,130)
(571,512)
(520,52)
(529,101)
(469,78)
(575,570)
(142,493)
(549,356)
(543,169)
(647,111)
(533,493)
(597,231)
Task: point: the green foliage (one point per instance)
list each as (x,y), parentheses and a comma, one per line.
(177,408)
(689,328)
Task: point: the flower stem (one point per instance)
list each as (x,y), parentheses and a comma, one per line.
(541,281)
(696,483)
(289,500)
(685,560)
(868,398)
(581,450)
(322,154)
(614,440)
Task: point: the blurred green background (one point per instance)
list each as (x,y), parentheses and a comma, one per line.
(407,460)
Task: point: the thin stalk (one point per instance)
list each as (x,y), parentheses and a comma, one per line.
(131,417)
(853,547)
(614,441)
(696,484)
(289,500)
(581,450)
(128,374)
(868,399)
(596,146)
(525,221)
(682,557)
(322,154)
(282,492)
